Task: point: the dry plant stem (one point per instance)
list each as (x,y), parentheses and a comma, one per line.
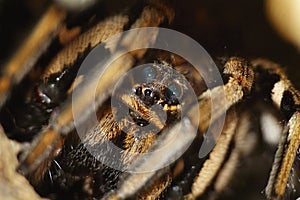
(13,186)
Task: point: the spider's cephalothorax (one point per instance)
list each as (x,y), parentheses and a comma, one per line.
(158,87)
(156,93)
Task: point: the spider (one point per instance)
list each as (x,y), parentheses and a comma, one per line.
(52,153)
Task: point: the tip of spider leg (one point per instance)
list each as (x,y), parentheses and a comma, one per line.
(240,70)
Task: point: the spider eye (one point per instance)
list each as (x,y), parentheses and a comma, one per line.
(149,74)
(173,92)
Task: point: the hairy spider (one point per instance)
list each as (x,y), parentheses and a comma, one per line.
(59,162)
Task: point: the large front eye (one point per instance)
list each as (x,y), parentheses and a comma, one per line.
(173,92)
(149,74)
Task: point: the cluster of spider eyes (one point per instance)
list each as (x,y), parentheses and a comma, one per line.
(171,93)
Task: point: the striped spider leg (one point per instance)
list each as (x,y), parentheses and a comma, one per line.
(269,79)
(287,99)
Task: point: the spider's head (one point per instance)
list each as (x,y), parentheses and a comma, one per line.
(152,94)
(160,87)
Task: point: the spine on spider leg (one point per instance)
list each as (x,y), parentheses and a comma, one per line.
(287,99)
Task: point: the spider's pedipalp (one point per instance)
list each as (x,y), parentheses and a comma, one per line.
(240,79)
(241,71)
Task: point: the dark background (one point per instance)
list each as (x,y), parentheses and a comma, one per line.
(236,27)
(222,27)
